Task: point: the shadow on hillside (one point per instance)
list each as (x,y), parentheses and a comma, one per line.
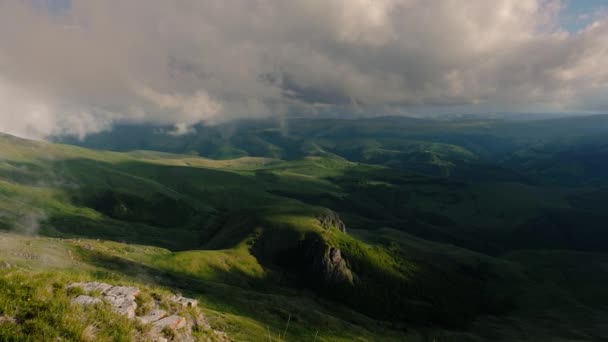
(188,285)
(171,206)
(178,207)
(389,198)
(257,299)
(463,214)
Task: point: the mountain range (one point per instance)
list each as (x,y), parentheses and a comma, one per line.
(390,228)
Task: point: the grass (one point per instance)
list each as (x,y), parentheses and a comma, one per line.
(33,292)
(41,307)
(425,254)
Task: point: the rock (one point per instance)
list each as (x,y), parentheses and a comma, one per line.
(122,301)
(92,286)
(332,220)
(121,298)
(183,301)
(335,266)
(123,305)
(86,300)
(152,316)
(325,261)
(173,322)
(123,291)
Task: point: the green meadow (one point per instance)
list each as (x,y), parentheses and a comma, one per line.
(375,236)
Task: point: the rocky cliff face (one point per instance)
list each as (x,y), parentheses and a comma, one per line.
(312,259)
(324,261)
(331,220)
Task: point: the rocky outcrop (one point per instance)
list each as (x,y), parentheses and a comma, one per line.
(86,300)
(311,258)
(173,322)
(91,287)
(183,301)
(176,324)
(318,262)
(121,298)
(153,316)
(331,220)
(327,262)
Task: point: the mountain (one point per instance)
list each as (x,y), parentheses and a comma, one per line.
(371,229)
(469,148)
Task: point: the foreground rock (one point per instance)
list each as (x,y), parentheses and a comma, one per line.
(153,316)
(175,324)
(121,298)
(183,301)
(86,300)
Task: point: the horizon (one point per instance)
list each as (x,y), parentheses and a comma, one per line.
(303,170)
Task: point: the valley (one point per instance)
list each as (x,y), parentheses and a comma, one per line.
(393,233)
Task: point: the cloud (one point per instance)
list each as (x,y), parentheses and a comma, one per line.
(191,109)
(83,66)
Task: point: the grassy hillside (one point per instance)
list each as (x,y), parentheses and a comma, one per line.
(340,249)
(36,270)
(33,292)
(467,148)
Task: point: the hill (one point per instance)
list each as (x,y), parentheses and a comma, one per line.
(335,246)
(468,148)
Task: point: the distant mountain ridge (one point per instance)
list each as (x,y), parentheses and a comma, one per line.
(455,148)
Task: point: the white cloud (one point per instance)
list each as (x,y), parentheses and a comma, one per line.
(191,109)
(183,62)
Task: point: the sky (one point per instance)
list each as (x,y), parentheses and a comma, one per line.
(81,66)
(577,14)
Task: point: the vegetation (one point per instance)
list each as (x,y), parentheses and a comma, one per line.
(384,229)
